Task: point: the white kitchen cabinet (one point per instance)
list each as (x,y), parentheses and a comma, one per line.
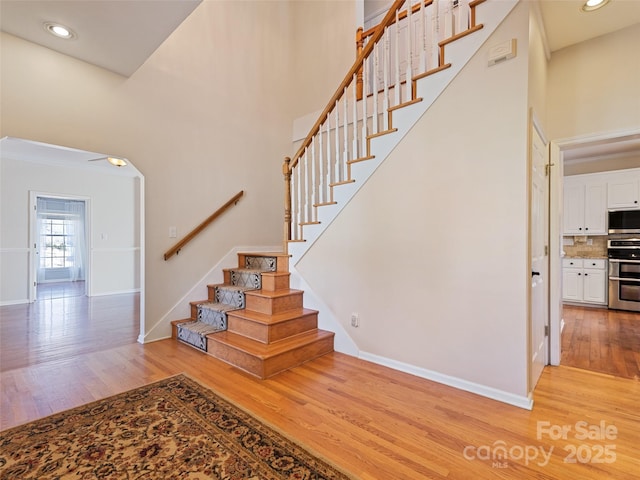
(623,191)
(585,206)
(584,280)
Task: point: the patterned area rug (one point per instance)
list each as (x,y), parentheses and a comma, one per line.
(171,429)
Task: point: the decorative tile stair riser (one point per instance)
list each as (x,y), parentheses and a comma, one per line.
(212,316)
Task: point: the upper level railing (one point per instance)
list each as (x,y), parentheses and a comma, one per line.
(404,47)
(193,233)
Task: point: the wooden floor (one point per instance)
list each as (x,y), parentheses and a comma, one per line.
(371,421)
(602,340)
(63,323)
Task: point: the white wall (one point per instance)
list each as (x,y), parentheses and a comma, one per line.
(208,115)
(432,252)
(113,218)
(323,51)
(593,86)
(601,165)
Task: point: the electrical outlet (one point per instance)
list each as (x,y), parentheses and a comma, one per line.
(173,232)
(355,320)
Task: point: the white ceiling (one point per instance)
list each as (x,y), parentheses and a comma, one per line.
(566,24)
(116,35)
(120,36)
(55,155)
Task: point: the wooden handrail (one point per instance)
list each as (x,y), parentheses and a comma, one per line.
(191,235)
(368,48)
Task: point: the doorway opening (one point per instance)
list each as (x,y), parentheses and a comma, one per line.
(606,330)
(59,226)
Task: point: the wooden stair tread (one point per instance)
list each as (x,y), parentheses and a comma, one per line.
(274,294)
(265,351)
(199,302)
(273,319)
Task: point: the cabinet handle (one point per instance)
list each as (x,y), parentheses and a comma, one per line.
(533,274)
(586,274)
(579,274)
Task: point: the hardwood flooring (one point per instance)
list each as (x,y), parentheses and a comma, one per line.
(371,421)
(602,340)
(64,323)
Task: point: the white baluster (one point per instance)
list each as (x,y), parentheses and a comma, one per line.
(435,35)
(374,93)
(329,163)
(354,153)
(314,163)
(365,72)
(385,80)
(320,164)
(423,39)
(336,163)
(409,76)
(304,184)
(448,19)
(396,88)
(345,135)
(294,202)
(463,16)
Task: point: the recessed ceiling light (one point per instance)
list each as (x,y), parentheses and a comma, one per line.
(591,5)
(59,30)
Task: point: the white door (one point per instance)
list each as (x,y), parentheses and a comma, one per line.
(539,315)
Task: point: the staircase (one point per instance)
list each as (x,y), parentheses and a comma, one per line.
(254,321)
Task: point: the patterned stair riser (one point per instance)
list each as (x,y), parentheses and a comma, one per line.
(212,316)
(261,263)
(195,333)
(247,278)
(230,295)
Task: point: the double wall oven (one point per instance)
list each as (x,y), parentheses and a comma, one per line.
(624,273)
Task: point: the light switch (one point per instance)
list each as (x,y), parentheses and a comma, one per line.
(173,232)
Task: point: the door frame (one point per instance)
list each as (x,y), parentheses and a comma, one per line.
(556,222)
(535,126)
(33,233)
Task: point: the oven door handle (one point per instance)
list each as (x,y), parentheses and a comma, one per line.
(622,279)
(617,260)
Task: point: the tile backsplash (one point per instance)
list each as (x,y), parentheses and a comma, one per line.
(580,246)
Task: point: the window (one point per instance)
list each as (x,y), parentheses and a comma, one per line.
(57,238)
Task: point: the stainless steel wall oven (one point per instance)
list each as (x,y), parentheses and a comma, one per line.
(624,274)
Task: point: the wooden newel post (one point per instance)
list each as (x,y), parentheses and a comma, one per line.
(359,47)
(287,203)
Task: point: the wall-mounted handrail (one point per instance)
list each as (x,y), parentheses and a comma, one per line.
(191,235)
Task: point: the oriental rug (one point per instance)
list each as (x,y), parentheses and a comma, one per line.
(172,429)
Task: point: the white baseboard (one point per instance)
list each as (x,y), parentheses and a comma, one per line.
(14,302)
(483,390)
(116,292)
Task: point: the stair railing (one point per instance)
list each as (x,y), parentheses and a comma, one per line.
(175,250)
(390,57)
